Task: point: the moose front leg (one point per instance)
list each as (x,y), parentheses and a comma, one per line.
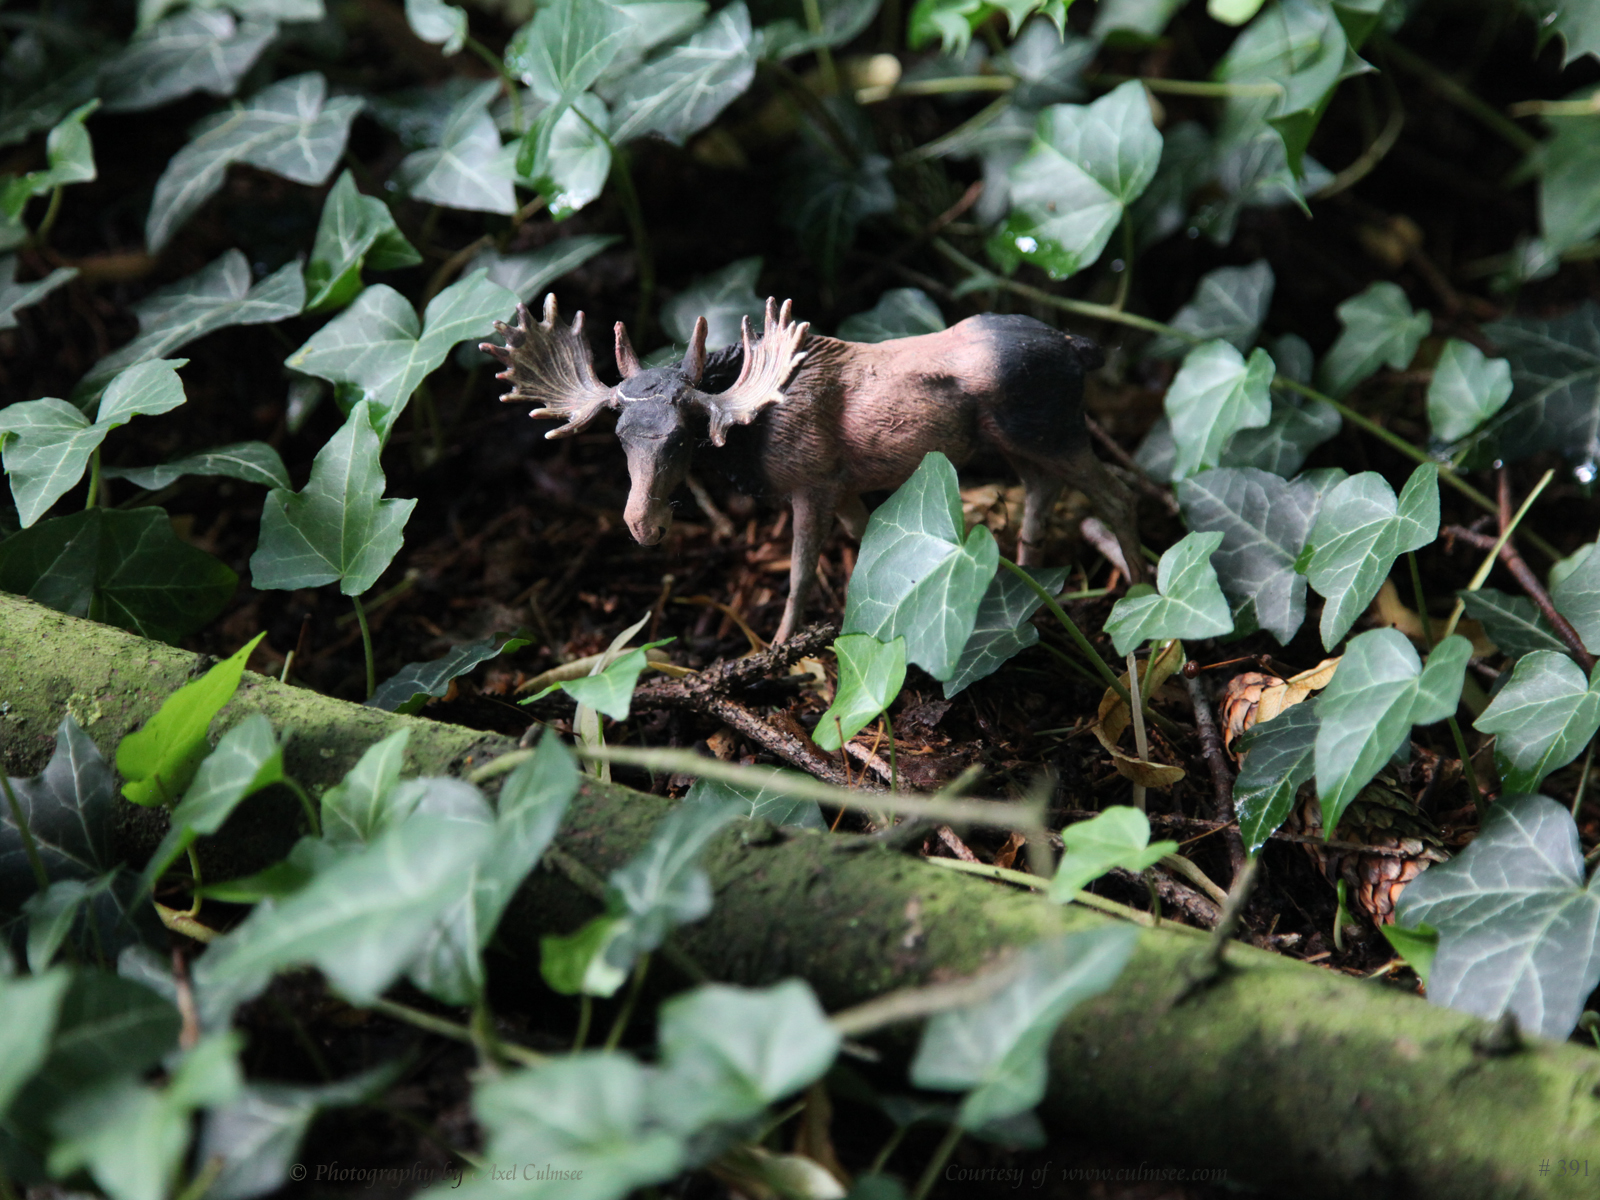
(813,514)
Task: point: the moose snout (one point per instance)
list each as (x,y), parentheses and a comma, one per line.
(649,521)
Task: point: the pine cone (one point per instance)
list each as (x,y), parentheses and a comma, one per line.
(1382,817)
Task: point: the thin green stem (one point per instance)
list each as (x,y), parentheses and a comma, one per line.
(94,480)
(1192,87)
(1125,280)
(306,803)
(198,883)
(1466,766)
(585,1019)
(830,74)
(453,1030)
(625,1013)
(894,768)
(950,85)
(1140,743)
(1421,599)
(1039,884)
(1458,94)
(1077,668)
(498,66)
(1583,780)
(943,145)
(203,1178)
(935,1167)
(366,645)
(880,1159)
(29,846)
(41,236)
(1493,556)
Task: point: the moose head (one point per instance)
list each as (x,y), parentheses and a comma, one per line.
(660,409)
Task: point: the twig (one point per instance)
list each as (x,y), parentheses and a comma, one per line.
(1200,971)
(1531,585)
(1173,894)
(1163,495)
(1202,827)
(1221,776)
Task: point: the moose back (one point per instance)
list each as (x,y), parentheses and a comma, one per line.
(828,420)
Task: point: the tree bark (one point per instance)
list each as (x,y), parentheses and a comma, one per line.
(1286,1075)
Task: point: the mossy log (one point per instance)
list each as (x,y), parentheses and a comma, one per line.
(1285,1075)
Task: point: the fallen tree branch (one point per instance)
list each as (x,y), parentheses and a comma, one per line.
(1287,1076)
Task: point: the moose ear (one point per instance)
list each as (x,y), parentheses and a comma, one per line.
(627,360)
(694,358)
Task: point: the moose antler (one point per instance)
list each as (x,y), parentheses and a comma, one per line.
(550,364)
(768,366)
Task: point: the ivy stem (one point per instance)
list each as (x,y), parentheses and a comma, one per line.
(305,803)
(1140,742)
(889,1147)
(1493,555)
(1421,599)
(1125,280)
(498,66)
(936,1164)
(41,236)
(622,172)
(94,481)
(1583,780)
(366,646)
(585,1017)
(29,846)
(453,1030)
(1459,95)
(942,145)
(1467,768)
(1040,884)
(830,74)
(194,872)
(1192,87)
(625,1013)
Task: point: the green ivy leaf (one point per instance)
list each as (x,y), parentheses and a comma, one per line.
(1229,303)
(1002,629)
(463,170)
(1419,947)
(159,760)
(1542,719)
(682,90)
(995,1051)
(1278,758)
(415,683)
(566,155)
(916,577)
(14,295)
(378,346)
(724,298)
(248,757)
(765,801)
(529,274)
(1380,690)
(1297,427)
(215,297)
(871,674)
(1555,376)
(28,1009)
(567,46)
(354,809)
(200,50)
(952,21)
(1514,622)
(1466,390)
(68,808)
(611,690)
(1118,837)
(899,313)
(1264,521)
(826,195)
(1215,395)
(354,230)
(1576,594)
(124,567)
(70,154)
(1518,930)
(841,22)
(252,462)
(339,529)
(1086,165)
(1359,533)
(576,965)
(439,24)
(291,128)
(1379,328)
(1188,602)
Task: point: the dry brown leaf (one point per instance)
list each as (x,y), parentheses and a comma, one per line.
(1114,717)
(1146,774)
(1006,856)
(813,1139)
(1389,610)
(1296,688)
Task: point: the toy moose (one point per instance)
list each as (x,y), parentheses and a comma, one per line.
(821,421)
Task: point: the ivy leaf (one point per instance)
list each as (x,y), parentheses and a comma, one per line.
(14,295)
(916,577)
(682,90)
(1555,377)
(586,1111)
(1264,521)
(1086,165)
(1518,930)
(438,24)
(827,195)
(376,344)
(763,801)
(723,298)
(1513,622)
(1466,390)
(1576,595)
(953,21)
(124,567)
(842,21)
(1379,328)
(29,1006)
(215,297)
(1188,602)
(354,230)
(664,885)
(291,128)
(67,807)
(199,50)
(728,1052)
(529,274)
(1142,18)
(871,674)
(1279,756)
(339,529)
(1229,303)
(1569,212)
(1359,533)
(1379,692)
(158,761)
(1297,426)
(995,1051)
(1215,395)
(1048,64)
(611,690)
(1542,719)
(252,462)
(248,757)
(362,920)
(567,46)
(462,171)
(354,809)
(1002,629)
(71,160)
(1118,837)
(566,155)
(899,313)
(1577,24)
(409,689)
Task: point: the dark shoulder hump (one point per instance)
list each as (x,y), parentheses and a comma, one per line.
(1088,351)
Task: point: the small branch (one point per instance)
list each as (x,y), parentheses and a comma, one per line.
(1221,775)
(1531,585)
(1200,971)
(1163,495)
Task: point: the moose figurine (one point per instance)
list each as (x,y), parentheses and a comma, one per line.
(821,421)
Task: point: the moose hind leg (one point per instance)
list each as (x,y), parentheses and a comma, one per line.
(812,517)
(1113,502)
(1040,491)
